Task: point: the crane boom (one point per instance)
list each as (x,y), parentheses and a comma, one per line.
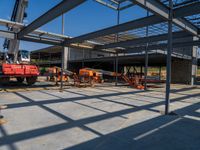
(18,15)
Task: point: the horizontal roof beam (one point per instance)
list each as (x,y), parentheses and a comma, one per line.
(163,11)
(106,4)
(55,42)
(139,23)
(127,6)
(41,40)
(135,24)
(187,10)
(7,34)
(143,40)
(62,7)
(17,25)
(161,46)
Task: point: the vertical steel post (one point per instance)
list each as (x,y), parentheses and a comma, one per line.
(39,59)
(168,78)
(194,63)
(116,69)
(117,39)
(62,53)
(146,58)
(49,59)
(160,70)
(83,63)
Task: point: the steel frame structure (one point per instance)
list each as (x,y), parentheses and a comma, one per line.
(180,18)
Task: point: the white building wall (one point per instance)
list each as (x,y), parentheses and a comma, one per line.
(79,54)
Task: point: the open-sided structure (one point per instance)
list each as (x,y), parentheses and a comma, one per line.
(168,25)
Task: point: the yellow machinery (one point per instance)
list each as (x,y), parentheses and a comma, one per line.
(91,75)
(96,76)
(54,74)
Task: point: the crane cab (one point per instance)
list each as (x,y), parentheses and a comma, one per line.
(23,56)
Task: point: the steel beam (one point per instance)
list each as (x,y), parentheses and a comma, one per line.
(187,10)
(139,23)
(7,34)
(62,7)
(135,24)
(106,4)
(160,46)
(127,6)
(163,11)
(41,40)
(143,40)
(30,38)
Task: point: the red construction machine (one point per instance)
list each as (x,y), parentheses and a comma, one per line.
(15,63)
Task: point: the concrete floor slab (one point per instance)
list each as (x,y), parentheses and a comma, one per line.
(74,111)
(57,140)
(29,118)
(100,118)
(131,101)
(37,95)
(10,98)
(64,94)
(134,118)
(104,105)
(108,125)
(173,106)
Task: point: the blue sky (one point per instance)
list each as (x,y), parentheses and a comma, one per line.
(87,17)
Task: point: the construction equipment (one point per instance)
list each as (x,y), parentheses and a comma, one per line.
(16,63)
(134,81)
(91,75)
(85,77)
(54,75)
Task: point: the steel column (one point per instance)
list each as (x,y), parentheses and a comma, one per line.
(117,39)
(194,64)
(160,71)
(62,53)
(116,68)
(83,59)
(168,78)
(146,57)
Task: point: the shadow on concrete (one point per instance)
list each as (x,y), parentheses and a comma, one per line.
(15,85)
(158,133)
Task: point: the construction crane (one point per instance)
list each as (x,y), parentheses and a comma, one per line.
(16,63)
(18,15)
